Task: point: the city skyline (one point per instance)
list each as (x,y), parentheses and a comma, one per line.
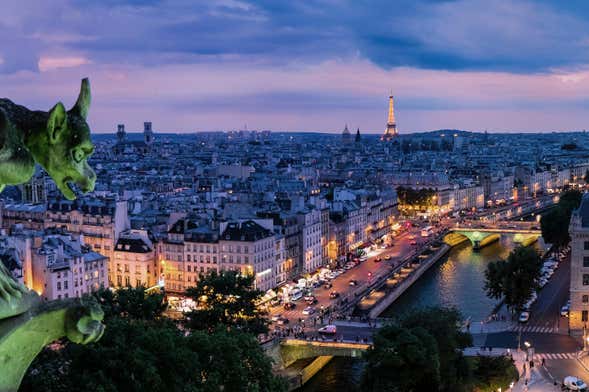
(519,67)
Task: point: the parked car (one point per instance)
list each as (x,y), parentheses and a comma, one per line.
(353,282)
(289,305)
(524,317)
(328,330)
(276,317)
(308,310)
(282,321)
(333,295)
(275,302)
(574,384)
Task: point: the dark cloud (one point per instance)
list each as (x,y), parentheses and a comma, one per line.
(454,35)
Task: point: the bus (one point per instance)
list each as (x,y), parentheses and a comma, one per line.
(427,231)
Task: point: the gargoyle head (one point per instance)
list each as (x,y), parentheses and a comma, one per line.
(64,150)
(83,323)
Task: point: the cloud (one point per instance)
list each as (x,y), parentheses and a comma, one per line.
(489,35)
(50,63)
(302,65)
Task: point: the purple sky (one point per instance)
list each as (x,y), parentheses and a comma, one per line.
(310,65)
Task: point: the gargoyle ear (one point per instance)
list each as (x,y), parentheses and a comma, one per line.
(83,103)
(57,122)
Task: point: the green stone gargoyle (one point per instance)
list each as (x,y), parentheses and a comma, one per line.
(28,324)
(58,140)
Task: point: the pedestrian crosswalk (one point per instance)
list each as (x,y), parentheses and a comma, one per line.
(532,329)
(555,356)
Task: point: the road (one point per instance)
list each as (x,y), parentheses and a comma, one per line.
(366,272)
(546,310)
(360,273)
(546,330)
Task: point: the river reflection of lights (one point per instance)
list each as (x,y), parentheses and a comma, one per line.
(457,281)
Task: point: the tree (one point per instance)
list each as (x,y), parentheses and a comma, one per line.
(139,355)
(234,360)
(570,200)
(493,373)
(402,360)
(396,361)
(514,279)
(416,198)
(494,279)
(132,302)
(555,223)
(444,324)
(226,298)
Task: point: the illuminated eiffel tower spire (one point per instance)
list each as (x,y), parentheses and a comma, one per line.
(391,130)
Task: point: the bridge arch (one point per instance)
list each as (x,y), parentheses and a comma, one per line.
(478,239)
(292,350)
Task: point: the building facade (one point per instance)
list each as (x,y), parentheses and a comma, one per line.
(579,286)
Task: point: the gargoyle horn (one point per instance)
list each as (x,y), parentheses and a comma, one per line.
(83,103)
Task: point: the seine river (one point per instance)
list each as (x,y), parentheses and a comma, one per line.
(456,280)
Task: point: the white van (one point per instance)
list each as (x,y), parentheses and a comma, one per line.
(296,294)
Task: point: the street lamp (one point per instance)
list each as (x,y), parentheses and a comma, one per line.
(528,345)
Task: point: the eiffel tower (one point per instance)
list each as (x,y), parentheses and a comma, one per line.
(391,130)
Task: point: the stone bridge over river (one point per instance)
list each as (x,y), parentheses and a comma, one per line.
(480,236)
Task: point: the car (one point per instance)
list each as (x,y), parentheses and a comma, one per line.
(289,305)
(328,330)
(282,321)
(377,260)
(309,297)
(276,317)
(564,311)
(524,317)
(311,301)
(388,257)
(327,286)
(574,384)
(308,310)
(274,302)
(542,282)
(333,295)
(353,282)
(348,267)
